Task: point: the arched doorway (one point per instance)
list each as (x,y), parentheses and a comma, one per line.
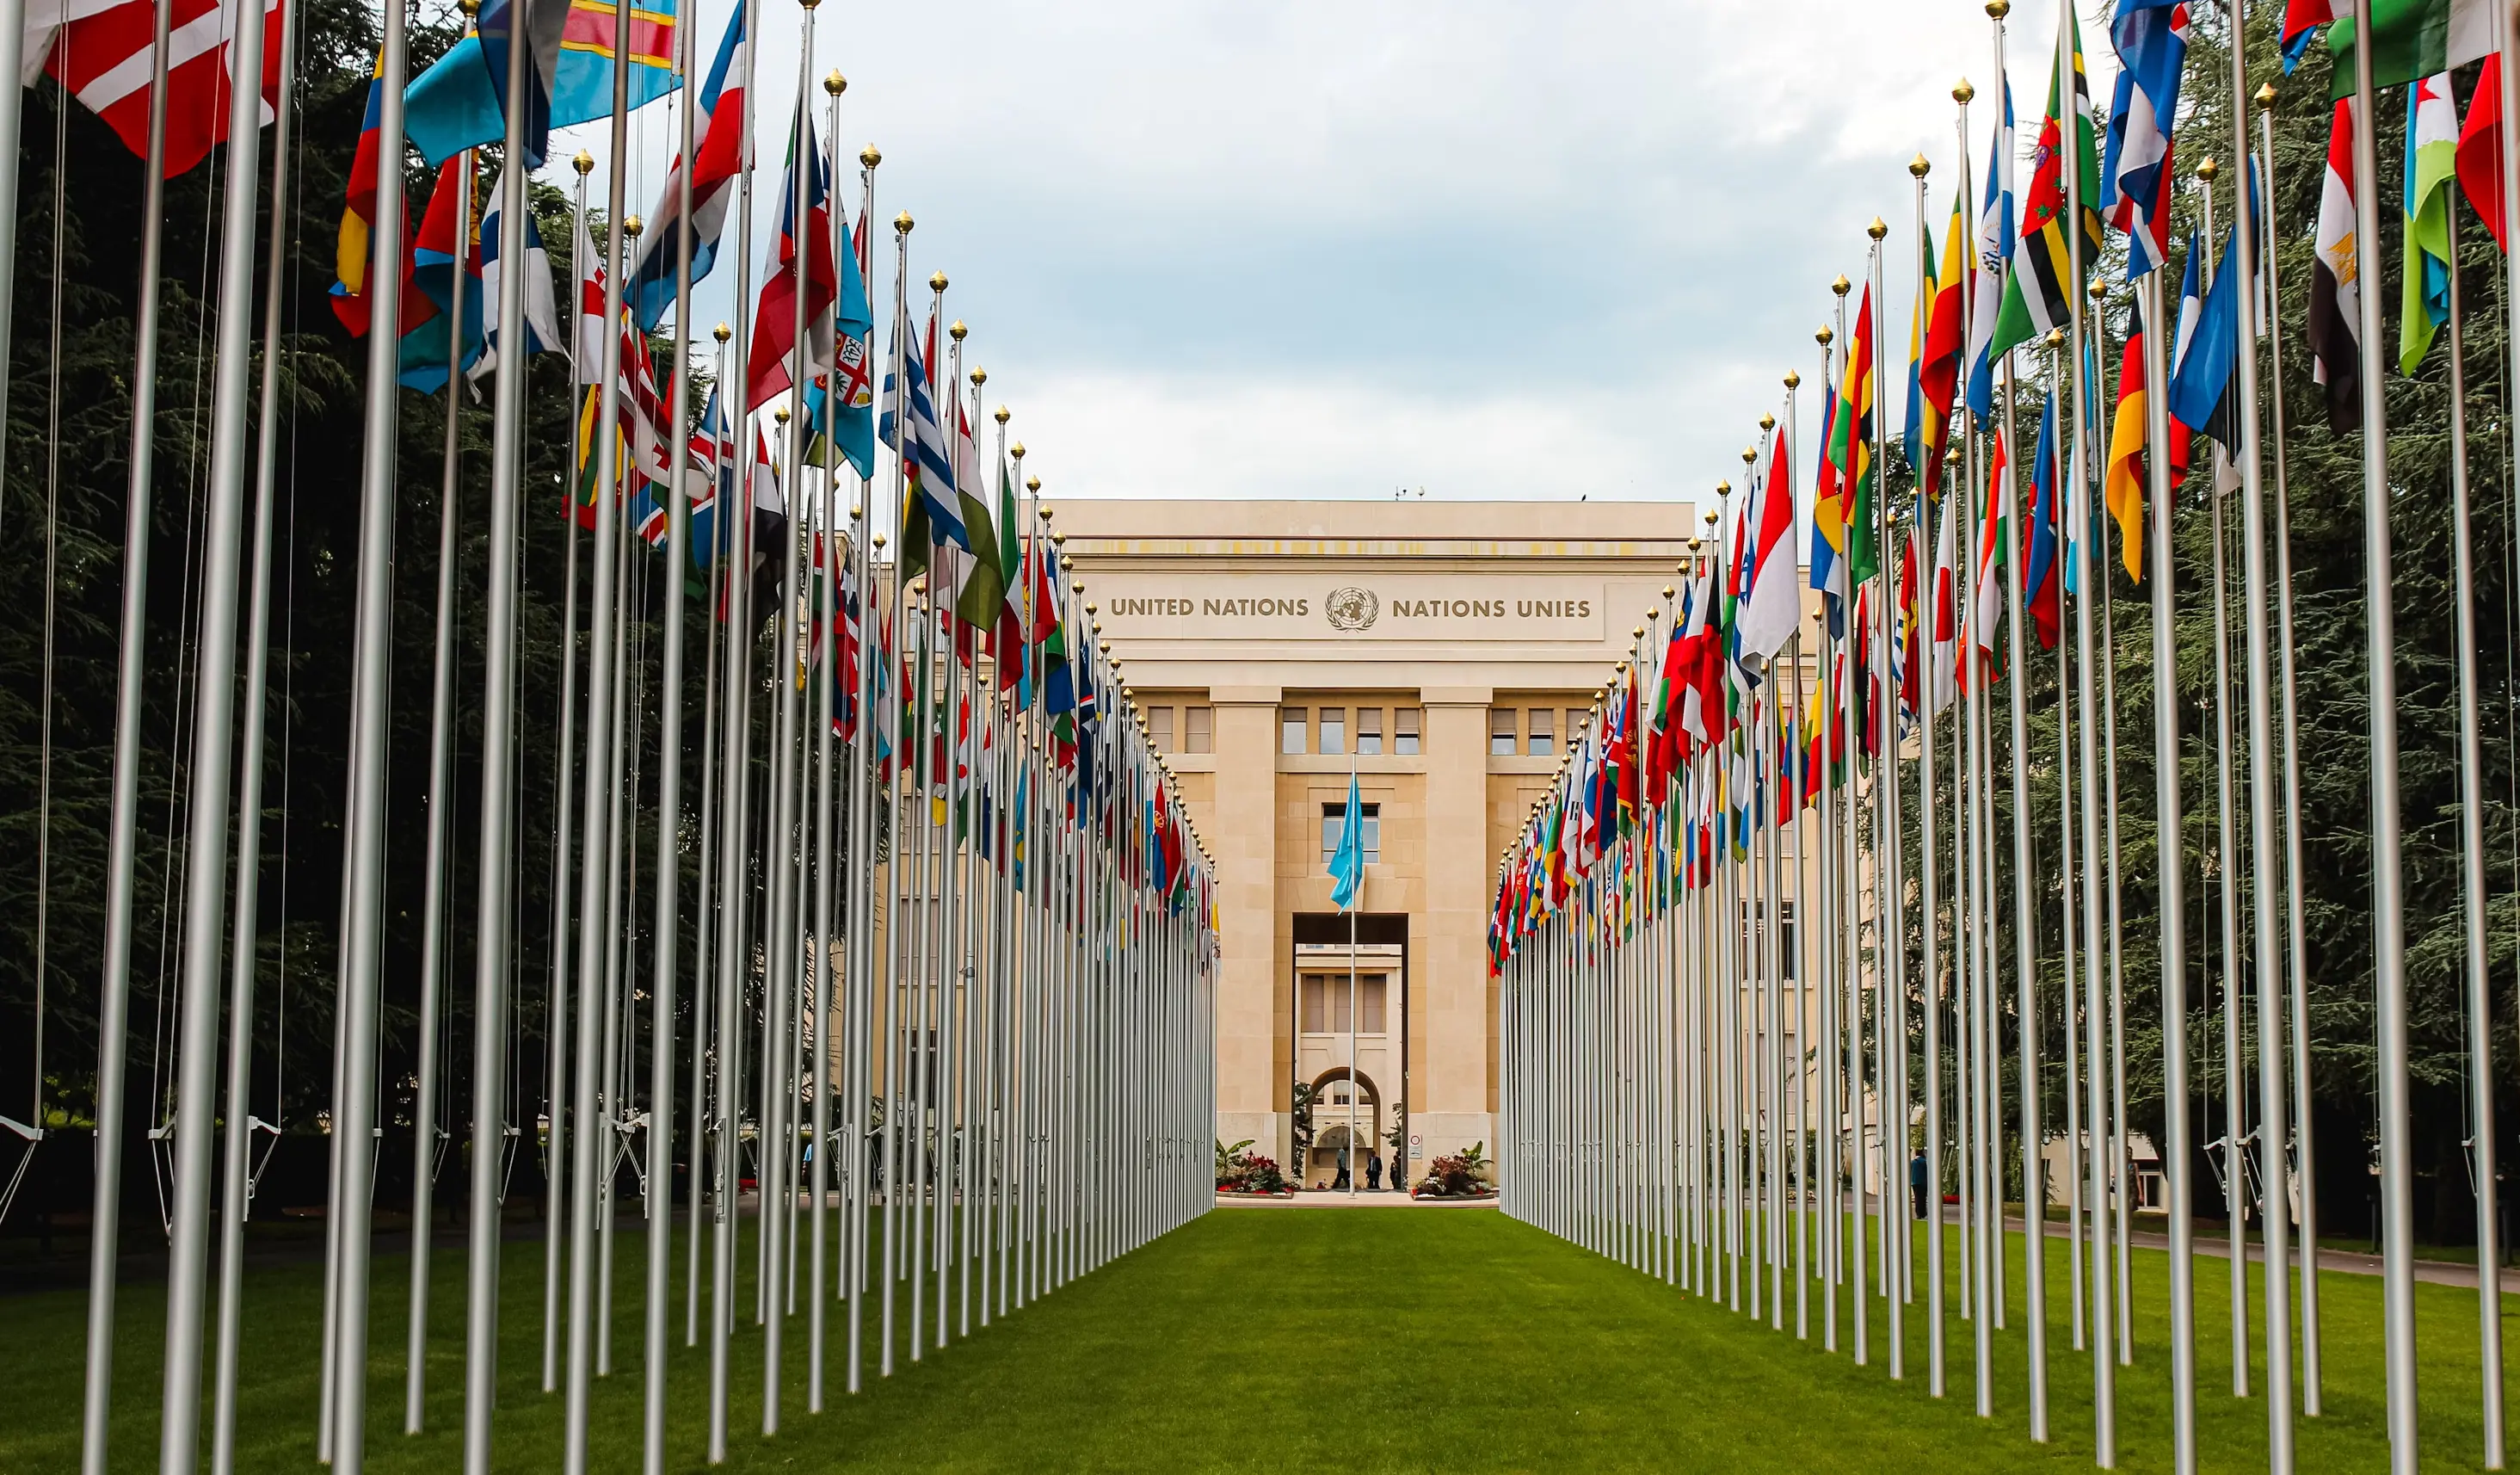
(1348,1115)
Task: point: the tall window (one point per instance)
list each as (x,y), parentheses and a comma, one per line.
(1544,729)
(1328,1008)
(1368,731)
(1333,729)
(1290,729)
(1404,731)
(1501,733)
(1159,727)
(1198,729)
(1333,819)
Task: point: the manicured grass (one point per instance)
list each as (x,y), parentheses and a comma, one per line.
(1270,1339)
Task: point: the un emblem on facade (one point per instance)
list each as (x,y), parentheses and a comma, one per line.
(1352,608)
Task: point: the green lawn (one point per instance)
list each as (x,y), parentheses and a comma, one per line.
(1274,1339)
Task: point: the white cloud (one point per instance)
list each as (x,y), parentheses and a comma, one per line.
(1316,249)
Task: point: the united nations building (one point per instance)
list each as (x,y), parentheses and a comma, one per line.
(1442,653)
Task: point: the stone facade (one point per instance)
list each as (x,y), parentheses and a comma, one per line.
(1258,638)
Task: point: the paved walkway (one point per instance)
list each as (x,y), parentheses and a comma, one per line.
(1323,1198)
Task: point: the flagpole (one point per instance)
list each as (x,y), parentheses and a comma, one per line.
(114,993)
(2177,1151)
(827,998)
(2093,586)
(244,960)
(861,847)
(669,810)
(2304,1170)
(432,927)
(2480,998)
(342,1432)
(703,1024)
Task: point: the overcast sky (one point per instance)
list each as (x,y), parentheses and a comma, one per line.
(1486,249)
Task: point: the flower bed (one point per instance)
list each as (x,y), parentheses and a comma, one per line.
(1247,1173)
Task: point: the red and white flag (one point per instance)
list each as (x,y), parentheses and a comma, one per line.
(104,56)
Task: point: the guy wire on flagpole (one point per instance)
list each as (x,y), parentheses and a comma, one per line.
(113,991)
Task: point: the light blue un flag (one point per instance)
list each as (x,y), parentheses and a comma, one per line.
(1347,863)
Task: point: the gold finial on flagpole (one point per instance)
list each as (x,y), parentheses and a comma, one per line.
(902,223)
(834,83)
(1919,166)
(722,333)
(1749,455)
(584,164)
(1033,483)
(1018,450)
(632,225)
(1825,334)
(1999,9)
(1767,422)
(1668,591)
(878,540)
(1722,489)
(870,156)
(957,332)
(780,414)
(1003,415)
(1841,286)
(2207,168)
(2099,289)
(980,375)
(1793,378)
(2265,96)
(1047,513)
(1877,229)
(936,282)
(1965,93)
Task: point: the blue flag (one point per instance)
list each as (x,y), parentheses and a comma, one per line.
(1347,863)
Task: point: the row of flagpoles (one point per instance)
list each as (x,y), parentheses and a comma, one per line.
(941,977)
(1747,972)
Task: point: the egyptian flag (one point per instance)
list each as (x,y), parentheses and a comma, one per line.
(2335,284)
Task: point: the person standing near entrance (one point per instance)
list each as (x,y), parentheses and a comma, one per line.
(1374,1172)
(1342,1181)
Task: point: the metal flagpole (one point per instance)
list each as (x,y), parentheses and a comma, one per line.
(828,1011)
(2304,1166)
(113,991)
(244,960)
(669,814)
(2091,585)
(2172,884)
(2479,999)
(363,828)
(703,1024)
(432,928)
(2271,1133)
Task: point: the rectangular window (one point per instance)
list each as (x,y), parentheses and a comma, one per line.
(1290,729)
(1328,1006)
(1501,733)
(1369,1003)
(1544,730)
(1317,1018)
(1333,818)
(1198,729)
(1159,727)
(1368,731)
(1404,731)
(1334,730)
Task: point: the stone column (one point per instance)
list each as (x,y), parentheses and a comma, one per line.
(1250,1068)
(1452,1102)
